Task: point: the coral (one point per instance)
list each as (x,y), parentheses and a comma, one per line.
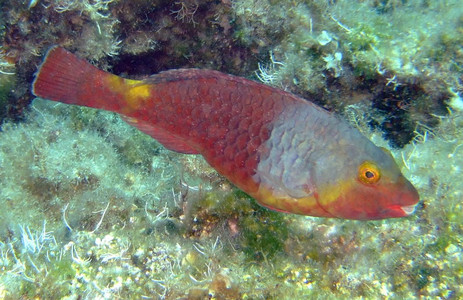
(361,51)
(314,46)
(136,38)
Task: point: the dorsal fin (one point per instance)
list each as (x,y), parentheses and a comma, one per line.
(185,74)
(168,140)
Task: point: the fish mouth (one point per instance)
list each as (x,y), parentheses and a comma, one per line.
(409,209)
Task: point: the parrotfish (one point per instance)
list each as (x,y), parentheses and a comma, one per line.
(286,152)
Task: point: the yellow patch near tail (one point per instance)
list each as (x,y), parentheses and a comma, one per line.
(134,92)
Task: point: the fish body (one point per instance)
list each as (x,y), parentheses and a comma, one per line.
(286,152)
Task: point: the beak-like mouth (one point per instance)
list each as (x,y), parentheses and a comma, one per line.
(408,210)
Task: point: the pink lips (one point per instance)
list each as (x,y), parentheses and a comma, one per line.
(408,210)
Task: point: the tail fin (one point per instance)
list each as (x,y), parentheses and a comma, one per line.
(66,78)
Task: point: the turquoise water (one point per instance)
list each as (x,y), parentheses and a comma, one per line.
(94,209)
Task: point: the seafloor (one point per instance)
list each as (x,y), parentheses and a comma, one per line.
(93,209)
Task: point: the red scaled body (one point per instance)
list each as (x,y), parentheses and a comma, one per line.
(284,151)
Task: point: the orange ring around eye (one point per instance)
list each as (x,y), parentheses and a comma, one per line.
(368,173)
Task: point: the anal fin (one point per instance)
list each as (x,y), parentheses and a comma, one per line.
(167,139)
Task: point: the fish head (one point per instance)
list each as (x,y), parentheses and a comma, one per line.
(368,186)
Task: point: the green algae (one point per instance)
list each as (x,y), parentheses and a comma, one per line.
(264,233)
(7,82)
(141,241)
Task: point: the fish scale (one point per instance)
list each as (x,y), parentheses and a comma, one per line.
(286,152)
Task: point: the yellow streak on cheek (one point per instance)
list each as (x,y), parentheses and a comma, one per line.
(330,194)
(303,206)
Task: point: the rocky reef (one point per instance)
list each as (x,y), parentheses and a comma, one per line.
(94,209)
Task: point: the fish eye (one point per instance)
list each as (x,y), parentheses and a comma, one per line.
(368,173)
